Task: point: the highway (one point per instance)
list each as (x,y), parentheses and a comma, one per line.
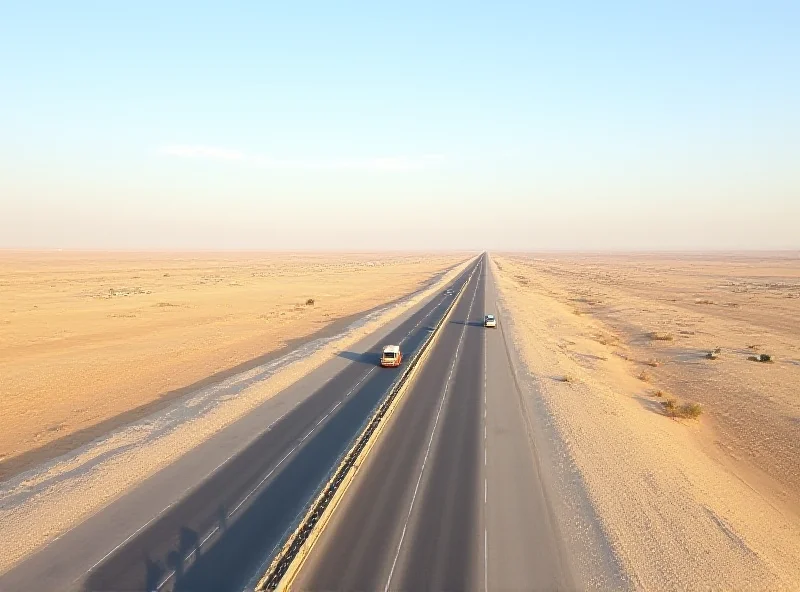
(284,469)
(218,535)
(451,497)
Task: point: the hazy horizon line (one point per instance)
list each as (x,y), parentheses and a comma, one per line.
(399,250)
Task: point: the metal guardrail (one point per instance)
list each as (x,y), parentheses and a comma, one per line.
(289,551)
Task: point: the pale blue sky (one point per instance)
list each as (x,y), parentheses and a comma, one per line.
(574,125)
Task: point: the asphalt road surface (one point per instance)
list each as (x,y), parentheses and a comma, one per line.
(451,497)
(218,536)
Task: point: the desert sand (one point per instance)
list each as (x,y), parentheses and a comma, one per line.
(685,503)
(90,341)
(43,503)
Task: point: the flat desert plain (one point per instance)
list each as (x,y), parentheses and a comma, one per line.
(695,503)
(89,341)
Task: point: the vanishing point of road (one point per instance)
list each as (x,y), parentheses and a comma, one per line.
(451,497)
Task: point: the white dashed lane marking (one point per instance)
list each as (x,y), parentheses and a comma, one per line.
(430,440)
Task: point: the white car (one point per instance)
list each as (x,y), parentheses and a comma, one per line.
(489,321)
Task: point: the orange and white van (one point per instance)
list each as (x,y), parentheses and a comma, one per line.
(391,356)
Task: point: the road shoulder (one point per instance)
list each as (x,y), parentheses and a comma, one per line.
(591,562)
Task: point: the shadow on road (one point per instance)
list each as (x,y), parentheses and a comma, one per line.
(19,463)
(372,358)
(469,323)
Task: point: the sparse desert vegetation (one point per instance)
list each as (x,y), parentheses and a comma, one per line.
(676,410)
(721,437)
(661,336)
(85,337)
(763,358)
(649,311)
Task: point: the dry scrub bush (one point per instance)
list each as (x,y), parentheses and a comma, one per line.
(657,336)
(690,410)
(763,358)
(310,302)
(682,411)
(644,376)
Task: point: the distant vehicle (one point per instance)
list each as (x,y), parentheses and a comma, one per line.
(489,321)
(391,356)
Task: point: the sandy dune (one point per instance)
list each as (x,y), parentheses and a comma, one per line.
(686,504)
(89,341)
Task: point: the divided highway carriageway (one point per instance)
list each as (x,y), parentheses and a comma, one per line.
(450,498)
(222,534)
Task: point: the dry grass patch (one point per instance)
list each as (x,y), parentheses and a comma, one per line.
(644,376)
(677,410)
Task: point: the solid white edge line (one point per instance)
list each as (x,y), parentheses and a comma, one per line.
(485,560)
(267,476)
(137,531)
